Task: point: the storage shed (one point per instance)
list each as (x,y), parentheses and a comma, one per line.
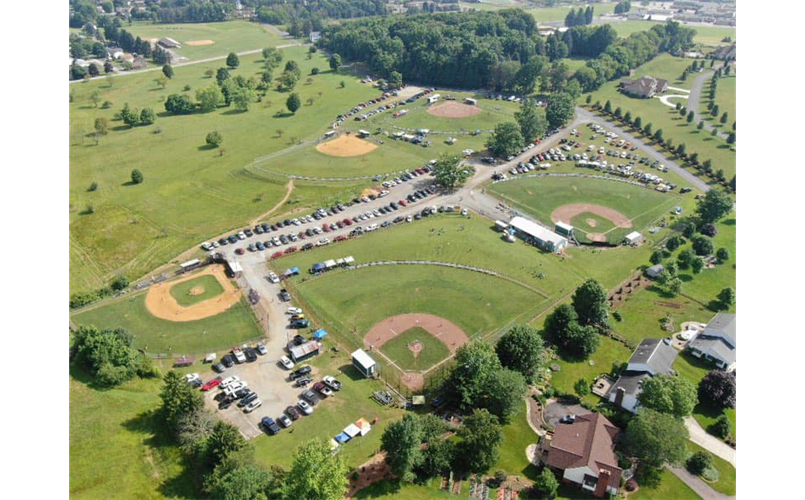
(563,229)
(634,238)
(364,363)
(537,235)
(305,351)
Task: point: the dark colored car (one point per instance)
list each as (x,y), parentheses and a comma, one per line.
(226,403)
(299,372)
(311,397)
(292,412)
(270,426)
(284,295)
(242,393)
(218,368)
(248,399)
(251,354)
(303,381)
(228,361)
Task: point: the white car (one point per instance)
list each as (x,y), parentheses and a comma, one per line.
(253,406)
(235,387)
(293,310)
(241,235)
(239,356)
(322,242)
(272,277)
(286,362)
(190,377)
(409,219)
(305,407)
(229,381)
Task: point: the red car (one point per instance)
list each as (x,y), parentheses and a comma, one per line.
(326,228)
(211,384)
(347,222)
(402,202)
(340,238)
(290,250)
(276,255)
(240,251)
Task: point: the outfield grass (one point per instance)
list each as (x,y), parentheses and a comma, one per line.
(332,415)
(230,36)
(222,331)
(433,349)
(726,472)
(118,448)
(181,291)
(674,127)
(540,196)
(136,228)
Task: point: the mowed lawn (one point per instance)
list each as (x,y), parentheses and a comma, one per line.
(726,472)
(670,487)
(190,193)
(399,350)
(661,116)
(230,36)
(540,196)
(117,447)
(222,331)
(196,290)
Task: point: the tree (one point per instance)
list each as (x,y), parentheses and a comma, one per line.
(95,97)
(167,70)
(591,305)
(723,255)
(655,439)
(293,103)
(179,104)
(532,122)
(271,58)
(147,116)
(582,387)
(316,473)
(658,135)
(136,177)
(475,363)
(647,129)
(161,81)
(395,79)
(700,125)
(402,442)
(702,245)
(232,60)
(93,70)
(690,117)
(504,392)
(178,399)
(209,73)
(335,62)
(481,435)
(714,110)
(214,139)
(521,349)
(561,109)
(722,427)
(546,485)
(108,67)
(559,321)
(731,138)
(581,341)
(224,440)
(718,389)
(342,84)
(727,297)
(638,123)
(627,117)
(221,75)
(724,118)
(505,140)
(714,206)
(449,172)
(129,116)
(668,394)
(699,462)
(209,97)
(232,480)
(656,257)
(107,355)
(608,107)
(673,243)
(101,126)
(243,97)
(697,264)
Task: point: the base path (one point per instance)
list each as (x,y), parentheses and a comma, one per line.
(161,303)
(566,212)
(451,335)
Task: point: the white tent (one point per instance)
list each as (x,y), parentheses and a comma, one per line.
(352,430)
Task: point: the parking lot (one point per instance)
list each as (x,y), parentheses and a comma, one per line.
(269,380)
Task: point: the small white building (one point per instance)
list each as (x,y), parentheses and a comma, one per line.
(315,36)
(535,234)
(364,363)
(634,238)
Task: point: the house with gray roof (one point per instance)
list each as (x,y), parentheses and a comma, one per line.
(644,87)
(652,357)
(717,343)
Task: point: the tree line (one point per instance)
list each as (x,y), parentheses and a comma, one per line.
(301,18)
(579,17)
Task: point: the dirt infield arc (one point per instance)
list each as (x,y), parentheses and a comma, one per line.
(566,213)
(453,109)
(161,303)
(447,332)
(345,146)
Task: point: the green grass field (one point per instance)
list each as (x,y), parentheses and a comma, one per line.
(674,127)
(540,196)
(210,285)
(136,228)
(706,35)
(725,99)
(230,36)
(222,331)
(397,350)
(726,472)
(670,487)
(117,446)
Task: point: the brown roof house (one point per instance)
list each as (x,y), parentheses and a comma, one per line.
(583,452)
(644,87)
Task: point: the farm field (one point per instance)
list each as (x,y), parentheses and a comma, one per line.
(222,331)
(135,228)
(117,448)
(229,36)
(541,196)
(660,116)
(706,35)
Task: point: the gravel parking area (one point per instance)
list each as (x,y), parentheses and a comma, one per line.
(269,380)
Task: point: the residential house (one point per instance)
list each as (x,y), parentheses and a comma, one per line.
(655,271)
(725,53)
(315,36)
(717,343)
(583,452)
(139,63)
(652,357)
(644,87)
(114,52)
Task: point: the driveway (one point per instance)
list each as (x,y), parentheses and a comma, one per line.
(556,409)
(710,443)
(696,484)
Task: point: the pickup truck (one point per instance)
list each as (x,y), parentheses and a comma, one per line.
(284,295)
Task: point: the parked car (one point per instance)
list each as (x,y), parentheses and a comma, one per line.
(218,368)
(292,412)
(228,360)
(269,425)
(303,381)
(311,397)
(293,310)
(251,355)
(304,407)
(332,382)
(247,400)
(284,421)
(285,296)
(300,371)
(322,388)
(211,384)
(261,348)
(229,381)
(239,356)
(253,406)
(286,362)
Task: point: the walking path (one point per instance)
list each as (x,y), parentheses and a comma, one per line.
(708,442)
(701,488)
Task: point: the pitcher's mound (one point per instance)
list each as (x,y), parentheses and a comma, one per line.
(196,290)
(415,347)
(453,109)
(345,146)
(198,43)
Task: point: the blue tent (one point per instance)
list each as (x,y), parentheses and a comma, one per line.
(295,270)
(342,437)
(321,333)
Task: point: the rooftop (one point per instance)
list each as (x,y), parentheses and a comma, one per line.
(537,231)
(588,442)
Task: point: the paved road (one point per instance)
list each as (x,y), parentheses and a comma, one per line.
(188,63)
(708,442)
(701,488)
(694,180)
(694,100)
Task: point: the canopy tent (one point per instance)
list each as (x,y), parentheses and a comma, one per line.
(352,430)
(339,262)
(329,263)
(363,425)
(349,260)
(320,334)
(418,400)
(342,438)
(319,266)
(295,270)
